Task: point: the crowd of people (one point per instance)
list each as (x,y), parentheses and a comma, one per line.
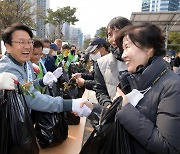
(130,64)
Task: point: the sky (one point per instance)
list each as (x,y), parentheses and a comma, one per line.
(94,14)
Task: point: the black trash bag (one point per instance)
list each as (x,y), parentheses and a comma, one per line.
(58,90)
(51,128)
(79,67)
(108,135)
(17,132)
(70,90)
(121,140)
(54,91)
(72,119)
(73,68)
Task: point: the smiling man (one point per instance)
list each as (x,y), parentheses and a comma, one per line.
(19,46)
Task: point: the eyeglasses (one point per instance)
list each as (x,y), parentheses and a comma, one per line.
(23,43)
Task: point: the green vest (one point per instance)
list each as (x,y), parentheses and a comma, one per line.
(59,59)
(69,60)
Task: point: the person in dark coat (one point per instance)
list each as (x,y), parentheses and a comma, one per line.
(151,111)
(48,60)
(108,67)
(97,48)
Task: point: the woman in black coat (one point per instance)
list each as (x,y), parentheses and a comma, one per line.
(151,113)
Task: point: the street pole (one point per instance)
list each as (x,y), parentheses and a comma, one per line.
(166,41)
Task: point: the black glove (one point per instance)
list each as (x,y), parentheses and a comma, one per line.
(127,82)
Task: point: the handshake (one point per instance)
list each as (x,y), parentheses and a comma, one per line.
(49,78)
(81,107)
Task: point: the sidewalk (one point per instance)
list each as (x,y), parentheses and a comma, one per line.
(88,128)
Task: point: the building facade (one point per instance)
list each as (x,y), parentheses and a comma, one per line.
(42,29)
(40,6)
(160,5)
(73,35)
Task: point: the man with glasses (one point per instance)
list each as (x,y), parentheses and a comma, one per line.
(23,43)
(19,45)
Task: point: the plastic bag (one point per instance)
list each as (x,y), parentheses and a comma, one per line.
(17,132)
(72,119)
(51,128)
(68,87)
(78,67)
(71,92)
(108,135)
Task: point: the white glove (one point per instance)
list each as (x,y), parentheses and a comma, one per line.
(36,68)
(58,72)
(134,97)
(8,81)
(83,111)
(49,78)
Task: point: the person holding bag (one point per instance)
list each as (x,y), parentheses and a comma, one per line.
(17,132)
(150,112)
(19,45)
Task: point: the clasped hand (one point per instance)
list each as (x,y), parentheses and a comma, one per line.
(81,107)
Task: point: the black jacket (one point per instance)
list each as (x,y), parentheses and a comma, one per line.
(90,83)
(89,80)
(154,123)
(50,64)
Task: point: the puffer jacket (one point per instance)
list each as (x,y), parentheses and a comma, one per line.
(154,123)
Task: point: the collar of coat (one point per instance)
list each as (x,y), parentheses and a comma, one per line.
(14,60)
(149,73)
